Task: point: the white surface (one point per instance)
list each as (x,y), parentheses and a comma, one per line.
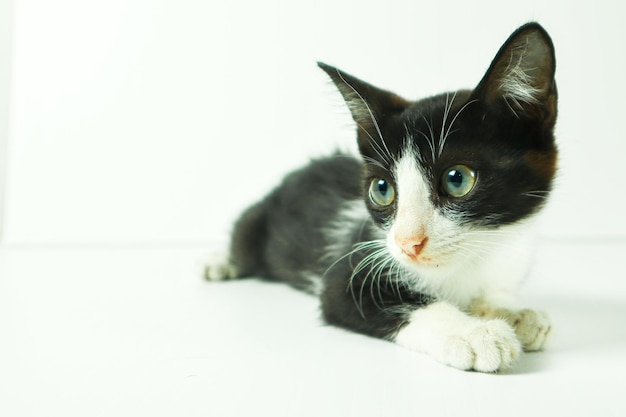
(6,31)
(135,120)
(157,121)
(132,331)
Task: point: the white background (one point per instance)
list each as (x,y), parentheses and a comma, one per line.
(135,121)
(133,132)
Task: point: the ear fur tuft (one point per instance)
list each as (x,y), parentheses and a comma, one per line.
(368,105)
(523,71)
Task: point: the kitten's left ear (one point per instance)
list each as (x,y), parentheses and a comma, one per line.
(522,75)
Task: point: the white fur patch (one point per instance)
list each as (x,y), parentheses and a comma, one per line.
(415,213)
(315,284)
(352,215)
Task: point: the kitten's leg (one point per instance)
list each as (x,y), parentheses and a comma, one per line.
(532,327)
(456,339)
(247,245)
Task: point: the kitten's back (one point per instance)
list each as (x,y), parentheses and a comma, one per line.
(286,232)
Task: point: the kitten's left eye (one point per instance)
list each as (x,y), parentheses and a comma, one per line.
(458,181)
(381,192)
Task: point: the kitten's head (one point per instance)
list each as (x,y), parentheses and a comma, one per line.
(439,170)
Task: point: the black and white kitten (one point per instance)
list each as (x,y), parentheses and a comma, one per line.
(424,239)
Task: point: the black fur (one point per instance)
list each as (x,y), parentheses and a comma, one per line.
(283,236)
(510,144)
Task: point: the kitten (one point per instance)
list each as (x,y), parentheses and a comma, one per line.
(423,240)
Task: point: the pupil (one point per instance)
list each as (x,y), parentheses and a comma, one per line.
(382,187)
(455,178)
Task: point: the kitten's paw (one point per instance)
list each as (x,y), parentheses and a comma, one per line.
(487,346)
(219,268)
(532,328)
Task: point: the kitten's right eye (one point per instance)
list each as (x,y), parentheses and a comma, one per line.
(382,192)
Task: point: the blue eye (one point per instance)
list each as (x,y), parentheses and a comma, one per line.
(382,192)
(458,181)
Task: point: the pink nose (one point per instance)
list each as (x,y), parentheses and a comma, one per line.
(412,247)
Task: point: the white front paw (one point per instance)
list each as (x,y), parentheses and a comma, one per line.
(461,341)
(487,346)
(532,328)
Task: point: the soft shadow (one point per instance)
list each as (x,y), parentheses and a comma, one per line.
(579,324)
(529,363)
(582,323)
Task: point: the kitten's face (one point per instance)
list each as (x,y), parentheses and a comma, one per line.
(443,175)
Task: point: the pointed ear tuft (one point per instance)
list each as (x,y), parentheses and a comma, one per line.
(523,72)
(352,89)
(370,106)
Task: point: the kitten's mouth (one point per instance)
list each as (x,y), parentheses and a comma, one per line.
(417,260)
(420,260)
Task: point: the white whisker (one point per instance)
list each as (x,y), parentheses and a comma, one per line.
(448,131)
(431,141)
(446,112)
(377,265)
(373,162)
(537,194)
(374,121)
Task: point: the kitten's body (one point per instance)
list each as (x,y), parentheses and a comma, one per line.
(423,241)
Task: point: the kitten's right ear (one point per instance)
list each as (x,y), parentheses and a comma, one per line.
(370,106)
